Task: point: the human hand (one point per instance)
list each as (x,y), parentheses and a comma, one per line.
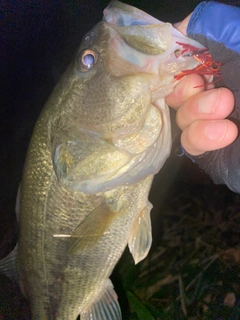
(201,114)
(202,111)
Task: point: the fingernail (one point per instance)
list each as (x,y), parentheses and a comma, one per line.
(216,131)
(208,102)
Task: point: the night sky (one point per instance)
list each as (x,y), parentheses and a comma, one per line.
(37,41)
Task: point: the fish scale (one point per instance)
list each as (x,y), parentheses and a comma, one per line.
(102,135)
(51,274)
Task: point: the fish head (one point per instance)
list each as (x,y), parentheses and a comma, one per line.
(110,125)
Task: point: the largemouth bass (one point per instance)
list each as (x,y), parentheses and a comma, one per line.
(101,137)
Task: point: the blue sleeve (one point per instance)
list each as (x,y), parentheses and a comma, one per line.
(217,27)
(217,22)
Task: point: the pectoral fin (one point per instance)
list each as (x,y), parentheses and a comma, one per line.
(140,240)
(91,229)
(105,308)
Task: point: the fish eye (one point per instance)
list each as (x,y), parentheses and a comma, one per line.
(88,60)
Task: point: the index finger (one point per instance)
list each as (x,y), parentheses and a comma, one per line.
(187,87)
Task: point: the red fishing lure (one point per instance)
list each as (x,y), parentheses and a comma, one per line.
(206,67)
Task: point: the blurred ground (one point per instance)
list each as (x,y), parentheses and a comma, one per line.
(38,39)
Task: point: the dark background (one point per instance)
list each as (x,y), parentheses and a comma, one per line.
(37,41)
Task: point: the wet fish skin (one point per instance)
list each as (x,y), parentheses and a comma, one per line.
(103,134)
